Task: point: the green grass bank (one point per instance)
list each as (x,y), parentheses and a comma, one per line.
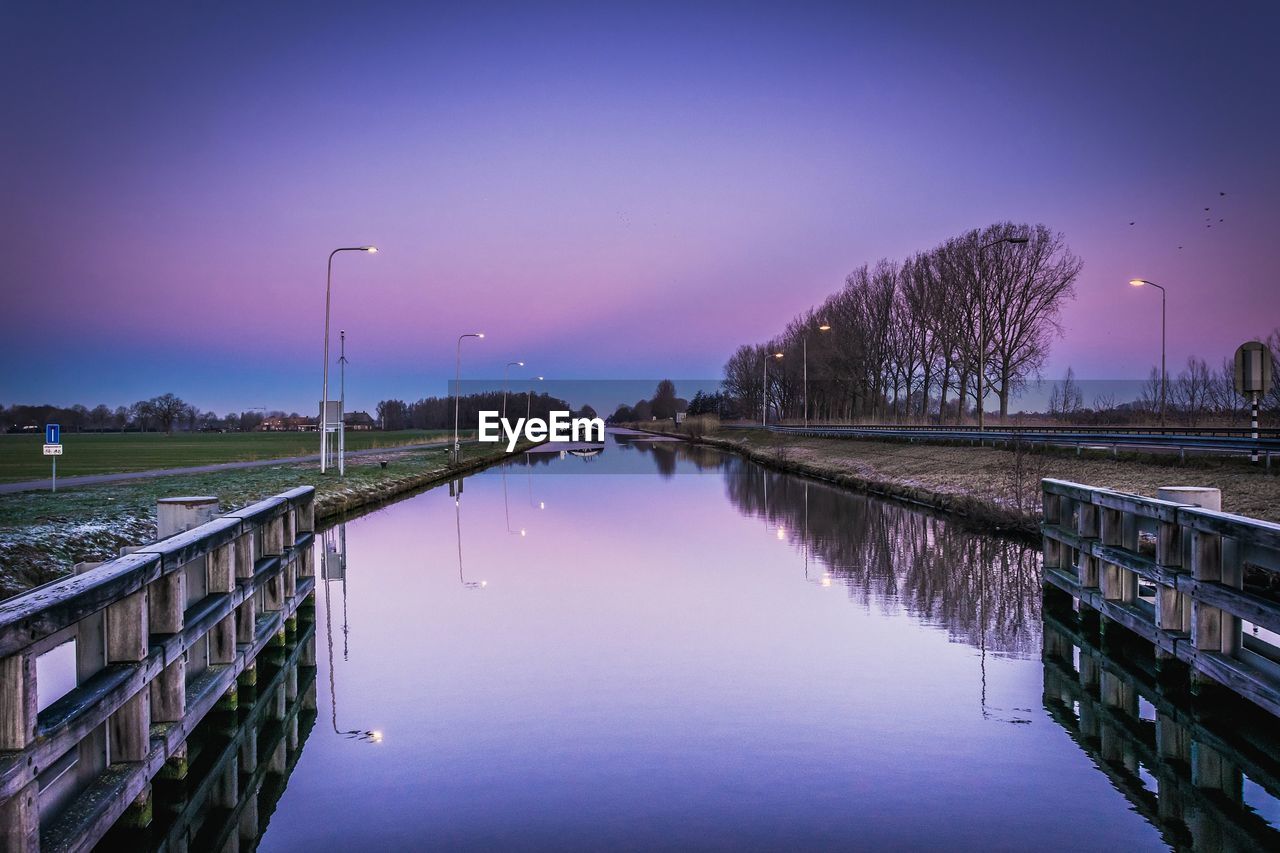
(21,456)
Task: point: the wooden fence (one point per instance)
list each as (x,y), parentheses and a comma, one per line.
(1207,778)
(159,639)
(1174,575)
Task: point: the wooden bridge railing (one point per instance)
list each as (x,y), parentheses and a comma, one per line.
(1193,773)
(160,637)
(1173,574)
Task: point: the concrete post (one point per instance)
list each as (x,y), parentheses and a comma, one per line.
(1201,496)
(176,515)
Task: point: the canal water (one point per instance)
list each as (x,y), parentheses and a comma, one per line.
(659,646)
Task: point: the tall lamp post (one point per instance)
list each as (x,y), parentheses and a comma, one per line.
(342,402)
(804,342)
(1139,282)
(982,326)
(505,373)
(457,388)
(324,402)
(764,391)
(528,398)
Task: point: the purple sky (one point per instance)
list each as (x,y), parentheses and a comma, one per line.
(607,190)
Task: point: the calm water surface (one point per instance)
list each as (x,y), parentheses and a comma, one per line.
(667,647)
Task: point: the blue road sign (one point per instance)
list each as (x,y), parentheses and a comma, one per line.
(52,434)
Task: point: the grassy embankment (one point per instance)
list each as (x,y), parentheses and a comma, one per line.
(110,453)
(990,487)
(42,535)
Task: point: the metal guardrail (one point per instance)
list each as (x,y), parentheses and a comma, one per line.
(1226,432)
(1185,442)
(160,636)
(1172,574)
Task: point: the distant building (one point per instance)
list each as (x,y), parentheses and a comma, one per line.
(290,424)
(359,421)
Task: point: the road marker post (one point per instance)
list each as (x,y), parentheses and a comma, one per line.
(53,448)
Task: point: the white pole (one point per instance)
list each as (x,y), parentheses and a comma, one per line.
(55,466)
(342,407)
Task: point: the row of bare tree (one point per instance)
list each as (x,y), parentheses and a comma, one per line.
(907,340)
(1197,395)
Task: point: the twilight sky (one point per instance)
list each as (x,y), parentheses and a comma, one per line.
(608,190)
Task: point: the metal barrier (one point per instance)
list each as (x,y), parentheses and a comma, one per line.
(1182,442)
(1174,575)
(159,638)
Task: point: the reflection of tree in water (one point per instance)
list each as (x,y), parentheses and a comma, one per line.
(664,453)
(984,591)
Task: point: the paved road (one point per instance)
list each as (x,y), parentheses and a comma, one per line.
(98,479)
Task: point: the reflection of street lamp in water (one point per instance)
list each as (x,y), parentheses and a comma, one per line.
(366,735)
(457,517)
(506,505)
(528,470)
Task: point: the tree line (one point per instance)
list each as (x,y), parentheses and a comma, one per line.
(663,405)
(909,339)
(162,413)
(1196,394)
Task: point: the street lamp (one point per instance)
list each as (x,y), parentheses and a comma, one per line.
(982,326)
(457,388)
(804,342)
(1139,282)
(324,404)
(342,402)
(764,395)
(528,398)
(505,372)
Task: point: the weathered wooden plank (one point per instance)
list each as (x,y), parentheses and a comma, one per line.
(45,610)
(1066,488)
(258,514)
(1250,531)
(180,549)
(17,701)
(1138,505)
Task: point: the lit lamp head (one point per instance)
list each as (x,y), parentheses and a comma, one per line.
(824,327)
(777,355)
(1138,282)
(479,334)
(373,250)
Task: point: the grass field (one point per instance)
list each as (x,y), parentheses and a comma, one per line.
(110,453)
(43,535)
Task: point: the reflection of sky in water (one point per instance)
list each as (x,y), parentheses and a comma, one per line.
(650,666)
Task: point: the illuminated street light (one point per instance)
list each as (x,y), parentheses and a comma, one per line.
(457,388)
(324,400)
(764,395)
(1139,282)
(528,397)
(505,372)
(822,327)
